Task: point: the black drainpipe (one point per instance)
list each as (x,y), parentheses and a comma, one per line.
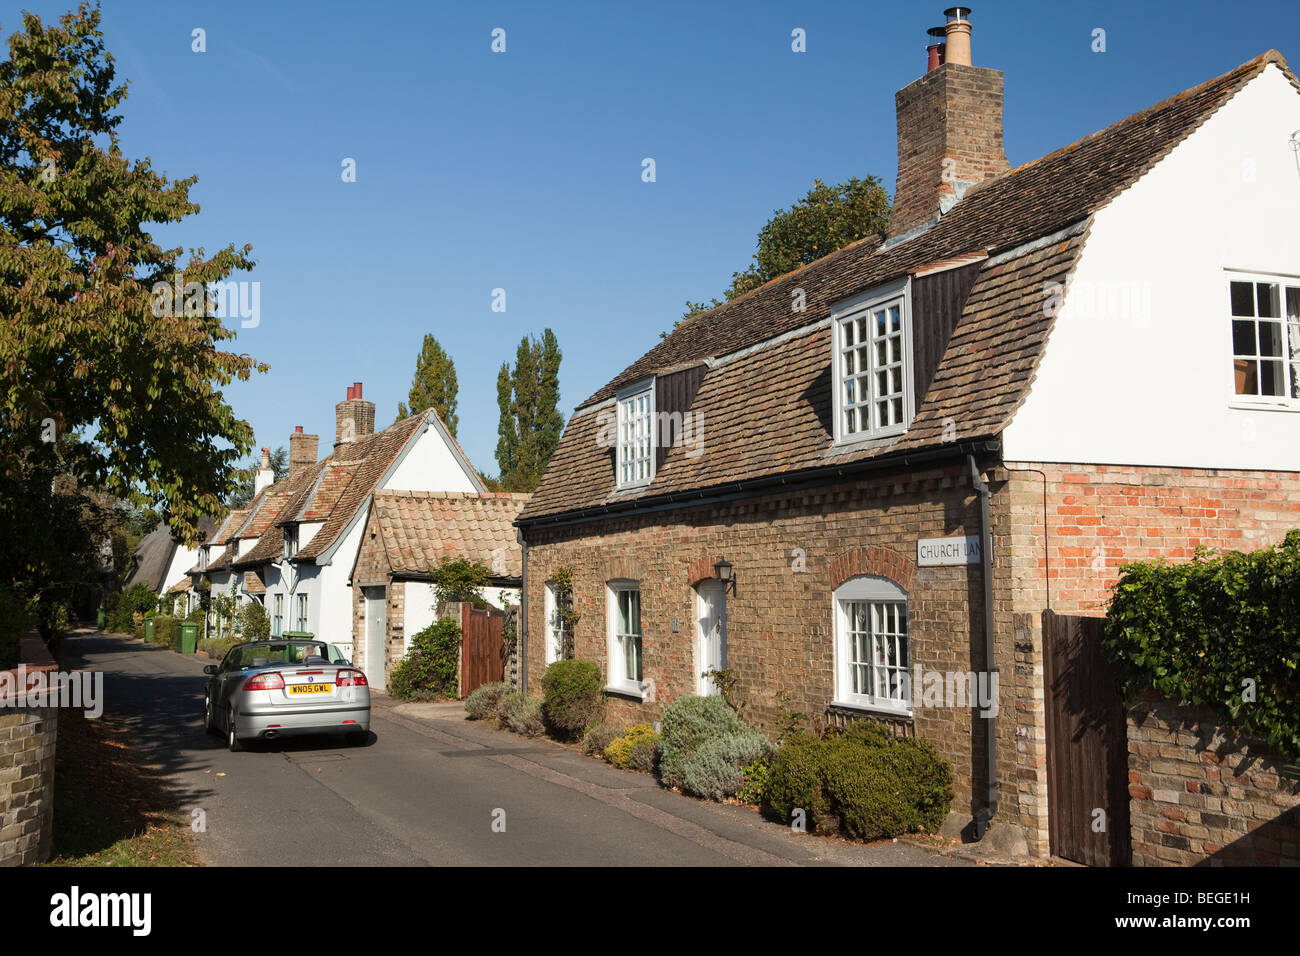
(521,625)
(986,566)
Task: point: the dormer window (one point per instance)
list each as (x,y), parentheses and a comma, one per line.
(203,558)
(872,338)
(290,540)
(636,433)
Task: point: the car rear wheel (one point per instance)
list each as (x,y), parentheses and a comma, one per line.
(231,739)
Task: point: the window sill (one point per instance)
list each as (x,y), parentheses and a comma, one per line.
(1248,406)
(631,692)
(882,709)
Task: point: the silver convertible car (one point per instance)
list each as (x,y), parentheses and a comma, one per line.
(277,688)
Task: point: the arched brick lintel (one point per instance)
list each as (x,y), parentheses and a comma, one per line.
(701,569)
(881,562)
(622,568)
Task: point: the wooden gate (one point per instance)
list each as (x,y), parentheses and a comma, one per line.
(482,651)
(1087,745)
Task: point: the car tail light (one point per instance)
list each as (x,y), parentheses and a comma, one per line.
(348,678)
(272,681)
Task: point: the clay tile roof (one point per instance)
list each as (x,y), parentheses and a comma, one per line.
(332,491)
(370,459)
(253,583)
(421,528)
(234,520)
(180,587)
(768,411)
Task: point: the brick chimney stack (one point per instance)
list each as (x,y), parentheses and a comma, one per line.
(354,418)
(265,475)
(302,451)
(949,129)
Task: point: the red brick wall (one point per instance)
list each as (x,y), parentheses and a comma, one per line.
(1101,516)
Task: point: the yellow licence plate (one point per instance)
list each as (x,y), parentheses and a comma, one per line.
(310,688)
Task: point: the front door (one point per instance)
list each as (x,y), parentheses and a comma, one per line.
(376,637)
(711,635)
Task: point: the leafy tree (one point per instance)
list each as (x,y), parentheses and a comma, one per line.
(826,219)
(89,343)
(459,579)
(434,385)
(279,467)
(530,423)
(253,624)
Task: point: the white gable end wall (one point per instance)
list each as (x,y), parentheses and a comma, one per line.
(1138,368)
(430,465)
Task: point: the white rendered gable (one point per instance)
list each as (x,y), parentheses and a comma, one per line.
(1138,367)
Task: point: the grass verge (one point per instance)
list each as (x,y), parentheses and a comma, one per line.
(109,809)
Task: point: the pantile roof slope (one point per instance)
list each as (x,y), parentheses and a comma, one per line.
(420,528)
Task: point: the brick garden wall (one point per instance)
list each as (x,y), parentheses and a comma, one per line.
(1202,796)
(790,551)
(1067,529)
(27,741)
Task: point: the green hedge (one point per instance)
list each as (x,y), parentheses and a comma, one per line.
(1222,631)
(14,623)
(864,783)
(429,669)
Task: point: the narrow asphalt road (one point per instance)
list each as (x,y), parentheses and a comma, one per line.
(427,791)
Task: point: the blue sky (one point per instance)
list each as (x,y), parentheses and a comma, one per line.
(522,170)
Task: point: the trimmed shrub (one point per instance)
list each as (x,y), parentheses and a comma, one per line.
(598,737)
(522,714)
(572,696)
(164,630)
(482,702)
(214,648)
(429,669)
(864,782)
(716,769)
(640,738)
(706,747)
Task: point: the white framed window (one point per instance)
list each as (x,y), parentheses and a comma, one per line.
(624,603)
(636,435)
(302,613)
(872,355)
(203,558)
(290,540)
(1265,317)
(277,614)
(872,654)
(558,634)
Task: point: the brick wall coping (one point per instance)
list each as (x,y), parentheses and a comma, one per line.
(33,657)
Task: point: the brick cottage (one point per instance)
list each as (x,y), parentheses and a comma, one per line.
(903,453)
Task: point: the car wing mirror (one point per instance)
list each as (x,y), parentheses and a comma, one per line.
(210,669)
